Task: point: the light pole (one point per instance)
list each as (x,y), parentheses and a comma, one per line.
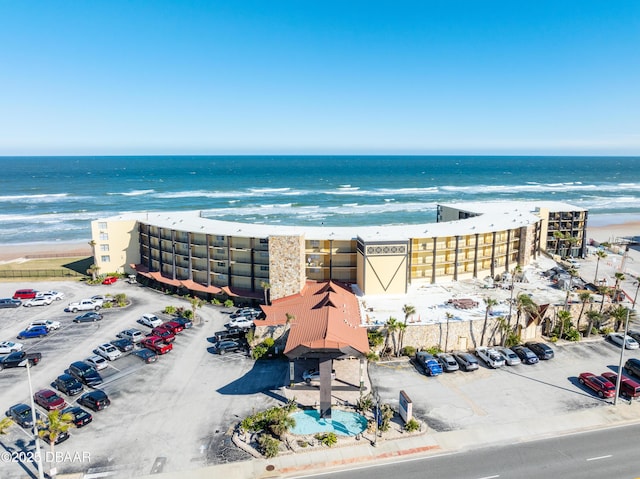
(624,342)
(34,418)
(377,419)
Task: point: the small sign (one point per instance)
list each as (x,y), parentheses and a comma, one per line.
(406,407)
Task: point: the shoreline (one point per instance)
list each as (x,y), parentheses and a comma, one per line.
(10,252)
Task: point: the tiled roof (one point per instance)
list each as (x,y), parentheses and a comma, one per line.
(325,317)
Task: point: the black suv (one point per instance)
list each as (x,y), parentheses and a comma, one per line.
(541,350)
(68,384)
(85,373)
(632,366)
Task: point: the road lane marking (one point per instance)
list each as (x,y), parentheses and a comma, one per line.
(598,458)
(490,477)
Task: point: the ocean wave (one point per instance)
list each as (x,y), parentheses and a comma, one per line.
(131,193)
(43,197)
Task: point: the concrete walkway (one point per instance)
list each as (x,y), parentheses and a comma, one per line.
(328,459)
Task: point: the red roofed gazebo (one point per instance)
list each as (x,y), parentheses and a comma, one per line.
(325,324)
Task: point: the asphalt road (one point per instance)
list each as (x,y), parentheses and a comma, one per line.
(609,453)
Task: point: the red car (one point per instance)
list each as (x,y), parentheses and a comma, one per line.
(157,344)
(600,385)
(109,280)
(25,294)
(628,387)
(173,326)
(164,333)
(49,400)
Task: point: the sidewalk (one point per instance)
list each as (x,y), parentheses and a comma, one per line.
(326,460)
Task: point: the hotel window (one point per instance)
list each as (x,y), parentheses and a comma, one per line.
(102,226)
(220,238)
(104,237)
(104,247)
(264,268)
(263,240)
(315,243)
(264,254)
(220,264)
(105,258)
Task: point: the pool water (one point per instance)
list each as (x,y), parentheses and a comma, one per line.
(343,423)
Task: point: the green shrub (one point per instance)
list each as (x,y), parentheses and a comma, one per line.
(216,302)
(376,338)
(187,313)
(259,351)
(107,305)
(329,439)
(434,350)
(572,335)
(169,310)
(372,356)
(269,342)
(250,336)
(365,403)
(412,425)
(386,412)
(409,351)
(553,339)
(269,446)
(606,330)
(228,303)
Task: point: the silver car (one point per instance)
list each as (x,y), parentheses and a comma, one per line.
(467,361)
(509,356)
(448,362)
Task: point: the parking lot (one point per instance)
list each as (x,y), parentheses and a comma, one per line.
(175,414)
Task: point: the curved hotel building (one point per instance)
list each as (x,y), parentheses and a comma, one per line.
(205,256)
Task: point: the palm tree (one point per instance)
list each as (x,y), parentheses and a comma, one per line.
(565,319)
(195,304)
(408,311)
(5,423)
(446,337)
(93,249)
(619,314)
(601,255)
(489,303)
(391,327)
(401,330)
(526,305)
(604,291)
(616,288)
(585,297)
(265,287)
(93,271)
(593,317)
(56,424)
(558,235)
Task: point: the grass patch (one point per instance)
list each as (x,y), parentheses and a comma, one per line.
(45,269)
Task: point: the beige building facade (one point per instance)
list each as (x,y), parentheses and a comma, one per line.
(210,256)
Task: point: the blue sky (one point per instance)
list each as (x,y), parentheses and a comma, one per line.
(323,77)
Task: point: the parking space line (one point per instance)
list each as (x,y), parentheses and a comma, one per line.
(599,457)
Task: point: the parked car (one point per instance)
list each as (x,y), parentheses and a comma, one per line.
(467,361)
(80,416)
(133,335)
(490,356)
(164,333)
(22,415)
(510,358)
(33,332)
(157,344)
(85,373)
(9,303)
(428,363)
(241,322)
(245,313)
(632,366)
(150,320)
(525,354)
(37,301)
(186,323)
(634,334)
(230,334)
(20,359)
(146,355)
(313,375)
(89,317)
(54,295)
(25,294)
(95,400)
(46,436)
(448,362)
(541,350)
(620,339)
(97,362)
(47,323)
(49,400)
(68,384)
(108,351)
(109,280)
(84,305)
(173,326)
(224,347)
(628,387)
(123,345)
(7,347)
(602,386)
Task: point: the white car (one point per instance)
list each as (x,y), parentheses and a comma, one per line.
(54,295)
(38,301)
(108,351)
(313,375)
(133,335)
(240,322)
(7,347)
(509,356)
(97,362)
(47,323)
(150,320)
(620,339)
(490,356)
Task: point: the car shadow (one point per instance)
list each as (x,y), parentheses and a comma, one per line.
(573,391)
(586,391)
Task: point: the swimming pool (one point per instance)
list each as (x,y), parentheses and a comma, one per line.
(343,423)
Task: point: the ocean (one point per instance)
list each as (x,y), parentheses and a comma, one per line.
(54,199)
